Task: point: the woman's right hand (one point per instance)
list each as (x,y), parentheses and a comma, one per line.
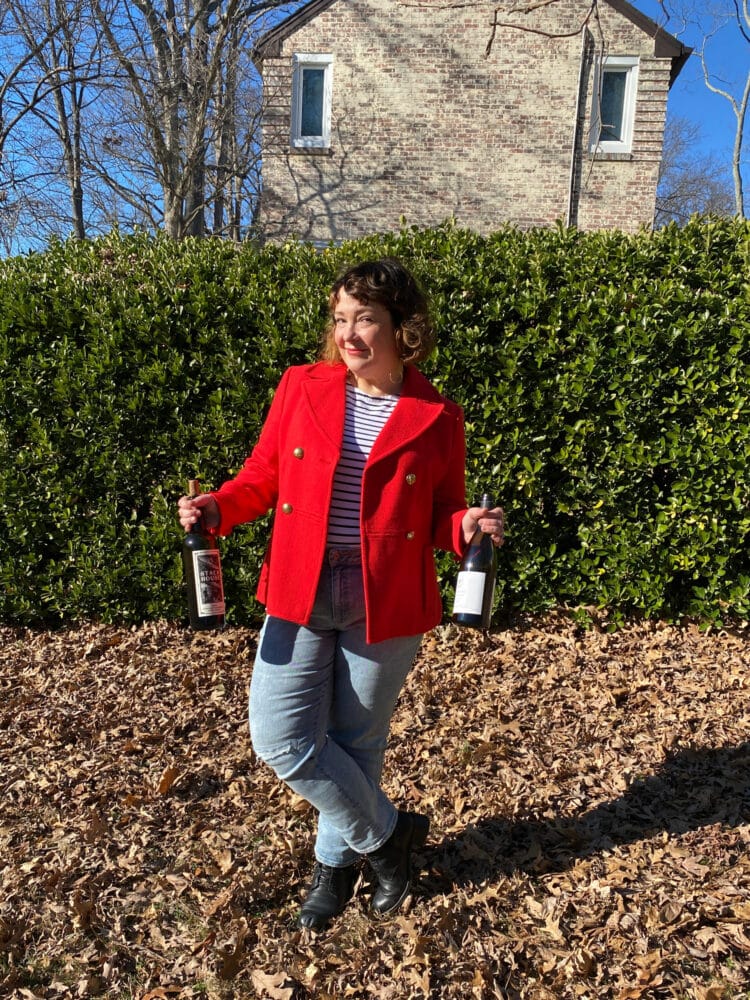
(192,509)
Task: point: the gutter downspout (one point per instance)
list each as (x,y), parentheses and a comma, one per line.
(571,215)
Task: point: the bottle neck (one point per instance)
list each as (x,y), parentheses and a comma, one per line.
(480,538)
(194,490)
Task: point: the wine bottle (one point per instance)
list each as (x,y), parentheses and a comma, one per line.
(202,563)
(475,586)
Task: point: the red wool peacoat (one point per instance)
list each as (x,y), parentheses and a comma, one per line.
(413,498)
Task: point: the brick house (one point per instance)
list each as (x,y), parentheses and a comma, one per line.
(378,111)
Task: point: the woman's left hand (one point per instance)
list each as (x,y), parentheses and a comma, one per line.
(489,520)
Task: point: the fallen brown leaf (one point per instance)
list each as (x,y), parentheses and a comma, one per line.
(589,793)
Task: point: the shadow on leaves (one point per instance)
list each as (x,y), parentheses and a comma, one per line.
(691,790)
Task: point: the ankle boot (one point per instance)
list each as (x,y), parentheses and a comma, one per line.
(392,862)
(327,895)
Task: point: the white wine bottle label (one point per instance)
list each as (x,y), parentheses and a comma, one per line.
(469,593)
(209,589)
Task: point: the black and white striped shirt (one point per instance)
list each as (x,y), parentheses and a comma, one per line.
(365,418)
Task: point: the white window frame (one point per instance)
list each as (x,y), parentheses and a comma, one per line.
(629,64)
(301,62)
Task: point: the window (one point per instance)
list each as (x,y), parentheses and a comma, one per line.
(311,101)
(613,109)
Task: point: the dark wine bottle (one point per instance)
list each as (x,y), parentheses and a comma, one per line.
(475,586)
(202,563)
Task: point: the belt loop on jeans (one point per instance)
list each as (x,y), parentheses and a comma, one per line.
(344,557)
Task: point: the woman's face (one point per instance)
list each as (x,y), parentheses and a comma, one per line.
(366,340)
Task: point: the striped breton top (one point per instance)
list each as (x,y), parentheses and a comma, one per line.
(365,418)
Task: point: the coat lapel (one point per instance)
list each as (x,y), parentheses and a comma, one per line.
(419,406)
(326,400)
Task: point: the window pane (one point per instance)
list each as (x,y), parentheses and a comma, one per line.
(313,82)
(613,104)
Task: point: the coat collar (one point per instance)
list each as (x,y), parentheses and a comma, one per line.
(419,405)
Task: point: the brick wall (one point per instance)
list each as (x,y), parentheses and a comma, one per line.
(427,126)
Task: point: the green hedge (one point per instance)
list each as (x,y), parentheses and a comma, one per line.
(605,380)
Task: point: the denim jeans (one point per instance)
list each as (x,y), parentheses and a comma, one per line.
(321,701)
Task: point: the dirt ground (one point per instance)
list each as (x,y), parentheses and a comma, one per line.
(589,793)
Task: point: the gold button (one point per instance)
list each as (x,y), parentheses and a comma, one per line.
(411,479)
(287,508)
(299,452)
(410,535)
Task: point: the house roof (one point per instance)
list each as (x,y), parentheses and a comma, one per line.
(270,43)
(666,46)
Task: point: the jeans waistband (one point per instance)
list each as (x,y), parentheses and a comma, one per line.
(344,557)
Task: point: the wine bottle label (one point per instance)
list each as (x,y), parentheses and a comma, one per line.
(209,589)
(469,593)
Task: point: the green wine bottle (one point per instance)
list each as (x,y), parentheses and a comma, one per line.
(475,585)
(202,564)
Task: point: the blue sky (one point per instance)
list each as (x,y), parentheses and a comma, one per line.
(728,54)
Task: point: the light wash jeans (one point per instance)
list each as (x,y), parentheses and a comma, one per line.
(321,701)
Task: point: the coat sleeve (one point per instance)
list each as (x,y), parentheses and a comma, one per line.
(255,488)
(449,505)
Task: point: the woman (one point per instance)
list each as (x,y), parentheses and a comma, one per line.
(363,462)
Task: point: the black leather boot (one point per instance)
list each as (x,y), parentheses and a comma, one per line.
(327,895)
(392,862)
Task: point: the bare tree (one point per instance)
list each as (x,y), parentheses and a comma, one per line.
(690,184)
(55,77)
(728,78)
(130,113)
(184,64)
(738,101)
(66,60)
(236,148)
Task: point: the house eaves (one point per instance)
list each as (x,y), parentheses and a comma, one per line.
(269,45)
(666,46)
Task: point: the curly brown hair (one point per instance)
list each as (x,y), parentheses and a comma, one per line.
(389,283)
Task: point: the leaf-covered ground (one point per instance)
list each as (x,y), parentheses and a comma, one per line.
(589,794)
